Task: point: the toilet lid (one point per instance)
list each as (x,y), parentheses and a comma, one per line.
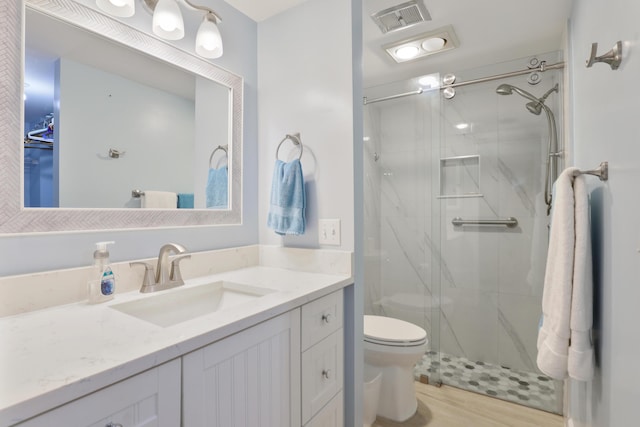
(389,330)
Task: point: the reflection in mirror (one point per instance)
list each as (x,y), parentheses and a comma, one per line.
(15,218)
(101,120)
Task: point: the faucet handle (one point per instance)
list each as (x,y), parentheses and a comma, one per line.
(149,274)
(175,275)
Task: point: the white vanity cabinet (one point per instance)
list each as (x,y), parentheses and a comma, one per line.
(249,379)
(285,372)
(149,399)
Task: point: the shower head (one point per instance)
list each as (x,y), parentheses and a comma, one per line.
(504,89)
(536,106)
(507,89)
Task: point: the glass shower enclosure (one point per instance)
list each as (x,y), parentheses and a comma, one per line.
(456,227)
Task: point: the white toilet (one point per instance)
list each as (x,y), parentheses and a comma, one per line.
(393,347)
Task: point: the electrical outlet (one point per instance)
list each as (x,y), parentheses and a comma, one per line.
(329,232)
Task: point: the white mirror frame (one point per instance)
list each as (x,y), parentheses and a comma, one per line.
(14,218)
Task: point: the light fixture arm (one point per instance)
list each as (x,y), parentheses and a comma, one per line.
(151,6)
(210,12)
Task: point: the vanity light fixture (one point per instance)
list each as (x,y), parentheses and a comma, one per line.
(167,20)
(168,24)
(208,39)
(422,45)
(121,8)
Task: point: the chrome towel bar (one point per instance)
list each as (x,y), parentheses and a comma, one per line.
(509,222)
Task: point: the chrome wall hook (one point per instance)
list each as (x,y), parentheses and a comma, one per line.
(613,57)
(115,154)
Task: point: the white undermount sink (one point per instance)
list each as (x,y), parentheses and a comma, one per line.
(182,304)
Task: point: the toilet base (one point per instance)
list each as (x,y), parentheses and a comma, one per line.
(397,394)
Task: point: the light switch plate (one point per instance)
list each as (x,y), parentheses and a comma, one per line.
(329,232)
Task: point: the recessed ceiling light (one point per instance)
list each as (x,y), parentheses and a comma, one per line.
(407,52)
(422,45)
(433,44)
(462,126)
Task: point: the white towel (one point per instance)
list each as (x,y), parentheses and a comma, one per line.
(159,200)
(564,340)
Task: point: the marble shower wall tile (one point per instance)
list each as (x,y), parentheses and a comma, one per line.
(469,324)
(519,316)
(372,182)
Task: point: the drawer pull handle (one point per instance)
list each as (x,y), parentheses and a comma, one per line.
(327,318)
(326,374)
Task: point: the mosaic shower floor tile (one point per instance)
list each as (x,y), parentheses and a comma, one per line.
(527,388)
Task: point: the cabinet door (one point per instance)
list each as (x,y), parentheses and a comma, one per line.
(149,399)
(249,379)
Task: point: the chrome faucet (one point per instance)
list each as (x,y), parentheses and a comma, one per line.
(167,274)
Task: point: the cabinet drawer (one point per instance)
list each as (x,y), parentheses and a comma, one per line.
(151,398)
(322,374)
(331,415)
(320,318)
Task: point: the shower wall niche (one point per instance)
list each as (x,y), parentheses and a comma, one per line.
(476,289)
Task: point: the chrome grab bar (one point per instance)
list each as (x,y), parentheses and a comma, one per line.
(509,222)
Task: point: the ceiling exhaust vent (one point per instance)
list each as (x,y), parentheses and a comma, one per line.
(401,16)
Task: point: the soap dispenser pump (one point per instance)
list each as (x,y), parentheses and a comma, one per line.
(103,284)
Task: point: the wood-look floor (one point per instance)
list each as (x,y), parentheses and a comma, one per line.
(452,407)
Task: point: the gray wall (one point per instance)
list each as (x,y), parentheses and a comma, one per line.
(605,117)
(306,86)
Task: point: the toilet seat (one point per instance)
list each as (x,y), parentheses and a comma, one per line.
(393,332)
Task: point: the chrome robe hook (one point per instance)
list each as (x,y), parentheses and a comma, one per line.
(613,57)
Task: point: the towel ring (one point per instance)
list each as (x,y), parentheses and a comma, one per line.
(295,138)
(219,147)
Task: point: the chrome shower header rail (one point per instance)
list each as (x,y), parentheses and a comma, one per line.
(542,68)
(366,101)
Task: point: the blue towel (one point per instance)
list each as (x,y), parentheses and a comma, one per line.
(185,200)
(217,188)
(286,209)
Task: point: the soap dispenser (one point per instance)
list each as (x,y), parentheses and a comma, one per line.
(103,283)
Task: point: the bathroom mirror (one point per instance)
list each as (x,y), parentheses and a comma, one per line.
(119,153)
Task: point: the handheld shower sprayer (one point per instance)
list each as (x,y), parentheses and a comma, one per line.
(535,106)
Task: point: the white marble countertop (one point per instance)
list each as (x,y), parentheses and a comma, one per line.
(52,356)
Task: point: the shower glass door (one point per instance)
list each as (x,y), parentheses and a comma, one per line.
(402,270)
(430,163)
(493,160)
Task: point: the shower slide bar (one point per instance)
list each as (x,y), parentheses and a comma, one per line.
(509,222)
(542,68)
